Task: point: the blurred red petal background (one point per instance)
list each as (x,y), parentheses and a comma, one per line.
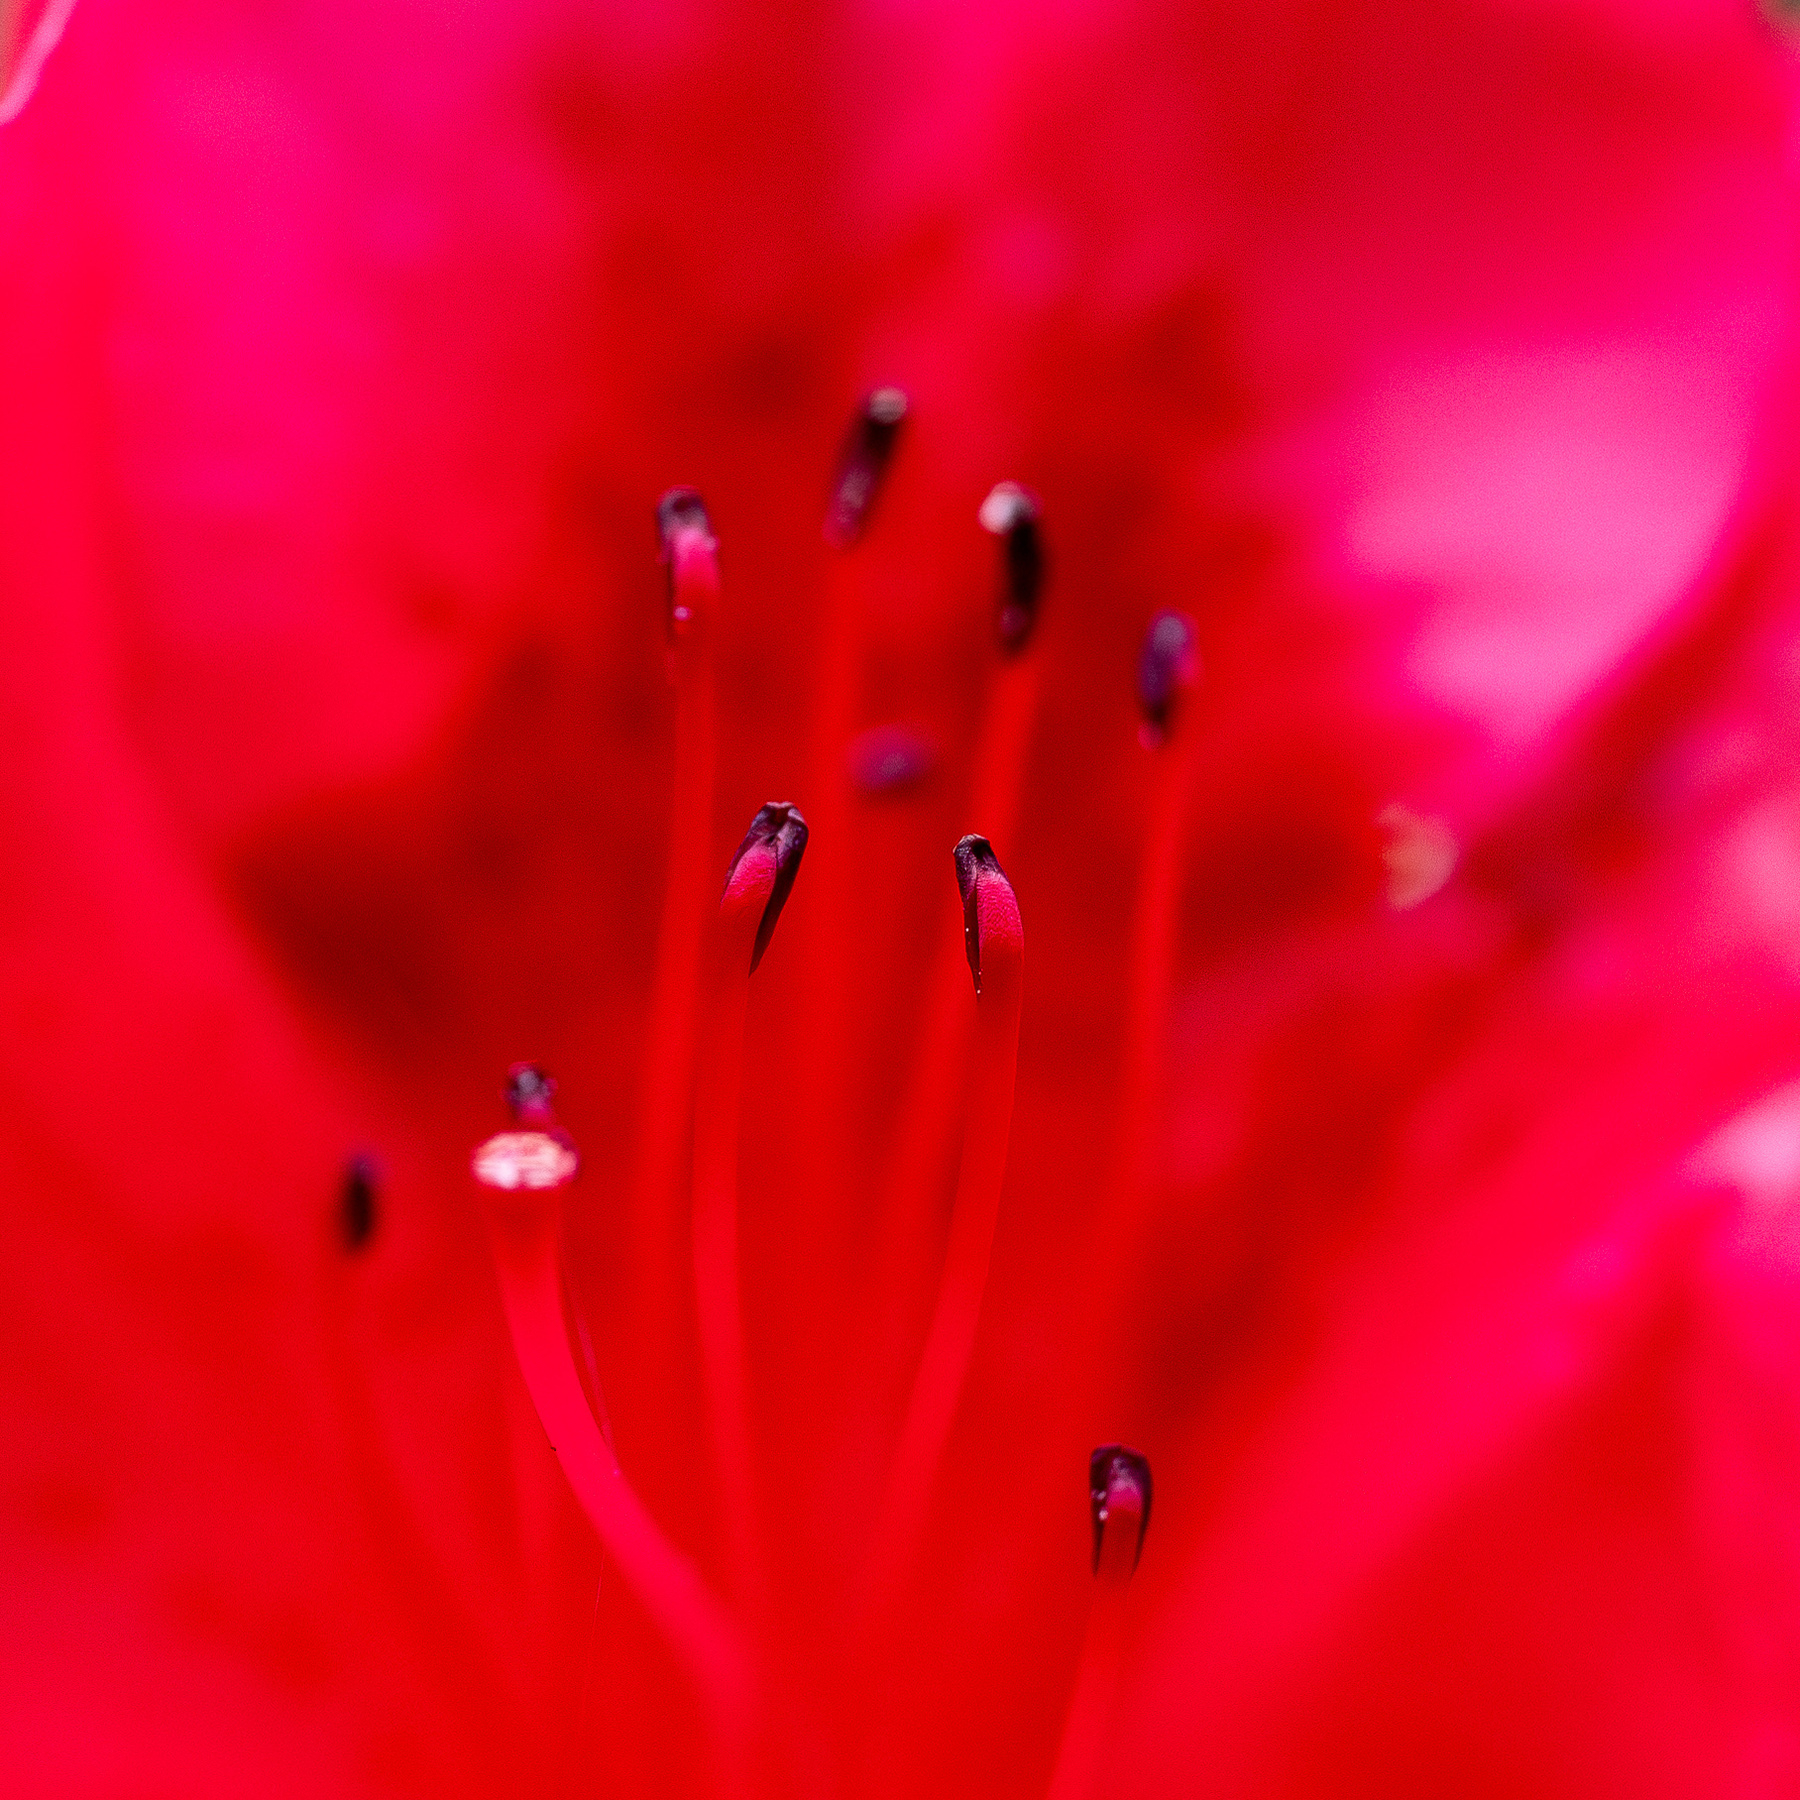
(1434,358)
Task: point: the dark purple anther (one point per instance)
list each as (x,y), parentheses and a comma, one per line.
(356,1203)
(681,514)
(1012,516)
(862,465)
(1167,667)
(780,827)
(975,858)
(1120,1478)
(528,1092)
(681,510)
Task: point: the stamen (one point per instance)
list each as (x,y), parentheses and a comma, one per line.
(777,838)
(690,553)
(356,1204)
(1168,665)
(1012,516)
(927,1115)
(524,1219)
(539,1155)
(995,943)
(757,884)
(864,469)
(1119,1493)
(863,462)
(1119,1489)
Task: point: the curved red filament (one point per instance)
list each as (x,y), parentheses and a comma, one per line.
(524,1229)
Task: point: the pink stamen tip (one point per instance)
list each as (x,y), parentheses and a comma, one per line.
(990,908)
(762,871)
(691,552)
(1119,1490)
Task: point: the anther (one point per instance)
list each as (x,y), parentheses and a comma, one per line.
(690,551)
(1011,515)
(1119,1494)
(777,832)
(862,465)
(537,1154)
(1168,665)
(757,884)
(976,865)
(356,1203)
(529,1091)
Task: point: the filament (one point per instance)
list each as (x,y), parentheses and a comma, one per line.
(450,1642)
(756,888)
(1167,669)
(666,1584)
(1150,974)
(928,1112)
(715,1233)
(864,466)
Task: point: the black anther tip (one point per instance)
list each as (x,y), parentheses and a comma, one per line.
(527,1086)
(1113,1466)
(862,465)
(356,1203)
(1012,516)
(780,826)
(974,858)
(1167,665)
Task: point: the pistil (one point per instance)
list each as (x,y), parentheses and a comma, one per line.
(1168,668)
(928,1113)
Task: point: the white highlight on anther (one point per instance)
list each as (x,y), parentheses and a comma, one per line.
(525,1159)
(1419,855)
(1007,503)
(20,83)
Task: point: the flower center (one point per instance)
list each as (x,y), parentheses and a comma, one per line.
(706,958)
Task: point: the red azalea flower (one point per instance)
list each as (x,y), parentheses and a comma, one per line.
(1400,1172)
